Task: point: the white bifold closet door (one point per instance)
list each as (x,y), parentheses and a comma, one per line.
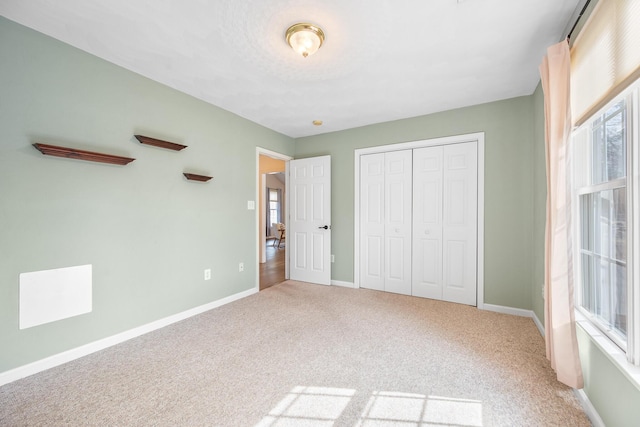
(397,224)
(418,222)
(372,221)
(427,222)
(385,243)
(445,200)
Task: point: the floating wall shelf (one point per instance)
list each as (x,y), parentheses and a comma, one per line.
(160,143)
(196,177)
(72,153)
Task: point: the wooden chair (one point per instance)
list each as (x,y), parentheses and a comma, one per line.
(281,234)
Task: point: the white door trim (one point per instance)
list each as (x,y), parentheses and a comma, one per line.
(456,139)
(260,239)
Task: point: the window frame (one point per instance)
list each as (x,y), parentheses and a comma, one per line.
(631,348)
(593,190)
(277,208)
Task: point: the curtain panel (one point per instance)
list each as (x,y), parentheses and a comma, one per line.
(560,329)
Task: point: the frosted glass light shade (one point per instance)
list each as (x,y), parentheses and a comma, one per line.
(305,39)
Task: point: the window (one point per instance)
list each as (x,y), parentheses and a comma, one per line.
(603,220)
(274,206)
(603,232)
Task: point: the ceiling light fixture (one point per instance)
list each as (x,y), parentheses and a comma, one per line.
(305,38)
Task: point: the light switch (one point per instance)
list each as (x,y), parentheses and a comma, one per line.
(251,205)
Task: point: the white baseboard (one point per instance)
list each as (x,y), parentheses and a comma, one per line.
(537,322)
(589,409)
(508,310)
(76,353)
(516,312)
(343,284)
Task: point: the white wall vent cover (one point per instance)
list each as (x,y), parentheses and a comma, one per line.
(50,295)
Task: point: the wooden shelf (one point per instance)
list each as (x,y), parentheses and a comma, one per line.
(72,153)
(160,143)
(196,177)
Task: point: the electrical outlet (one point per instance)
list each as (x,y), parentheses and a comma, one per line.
(241,267)
(333,258)
(207,274)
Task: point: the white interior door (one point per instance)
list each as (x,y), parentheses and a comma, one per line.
(459,231)
(372,221)
(427,222)
(309,228)
(397,243)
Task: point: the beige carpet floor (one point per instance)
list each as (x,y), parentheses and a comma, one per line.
(307,355)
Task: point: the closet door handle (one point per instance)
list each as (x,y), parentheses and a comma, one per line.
(326,227)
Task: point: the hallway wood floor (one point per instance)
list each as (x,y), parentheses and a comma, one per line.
(272,271)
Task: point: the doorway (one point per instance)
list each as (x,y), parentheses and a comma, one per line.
(271,211)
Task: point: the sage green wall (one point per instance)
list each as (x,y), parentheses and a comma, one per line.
(539,195)
(148,232)
(614,397)
(509,150)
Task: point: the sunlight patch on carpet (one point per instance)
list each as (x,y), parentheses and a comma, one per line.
(309,406)
(323,406)
(391,408)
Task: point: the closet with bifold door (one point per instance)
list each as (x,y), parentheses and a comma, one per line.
(418,222)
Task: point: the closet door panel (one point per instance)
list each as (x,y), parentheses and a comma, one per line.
(398,195)
(427,223)
(372,222)
(459,232)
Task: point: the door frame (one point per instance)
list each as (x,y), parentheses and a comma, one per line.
(477,137)
(261,240)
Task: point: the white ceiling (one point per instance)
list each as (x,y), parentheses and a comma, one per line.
(382,60)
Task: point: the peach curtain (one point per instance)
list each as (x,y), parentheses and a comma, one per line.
(560,332)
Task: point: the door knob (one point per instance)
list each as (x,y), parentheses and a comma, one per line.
(326,227)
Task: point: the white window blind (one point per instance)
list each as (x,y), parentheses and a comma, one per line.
(605,57)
